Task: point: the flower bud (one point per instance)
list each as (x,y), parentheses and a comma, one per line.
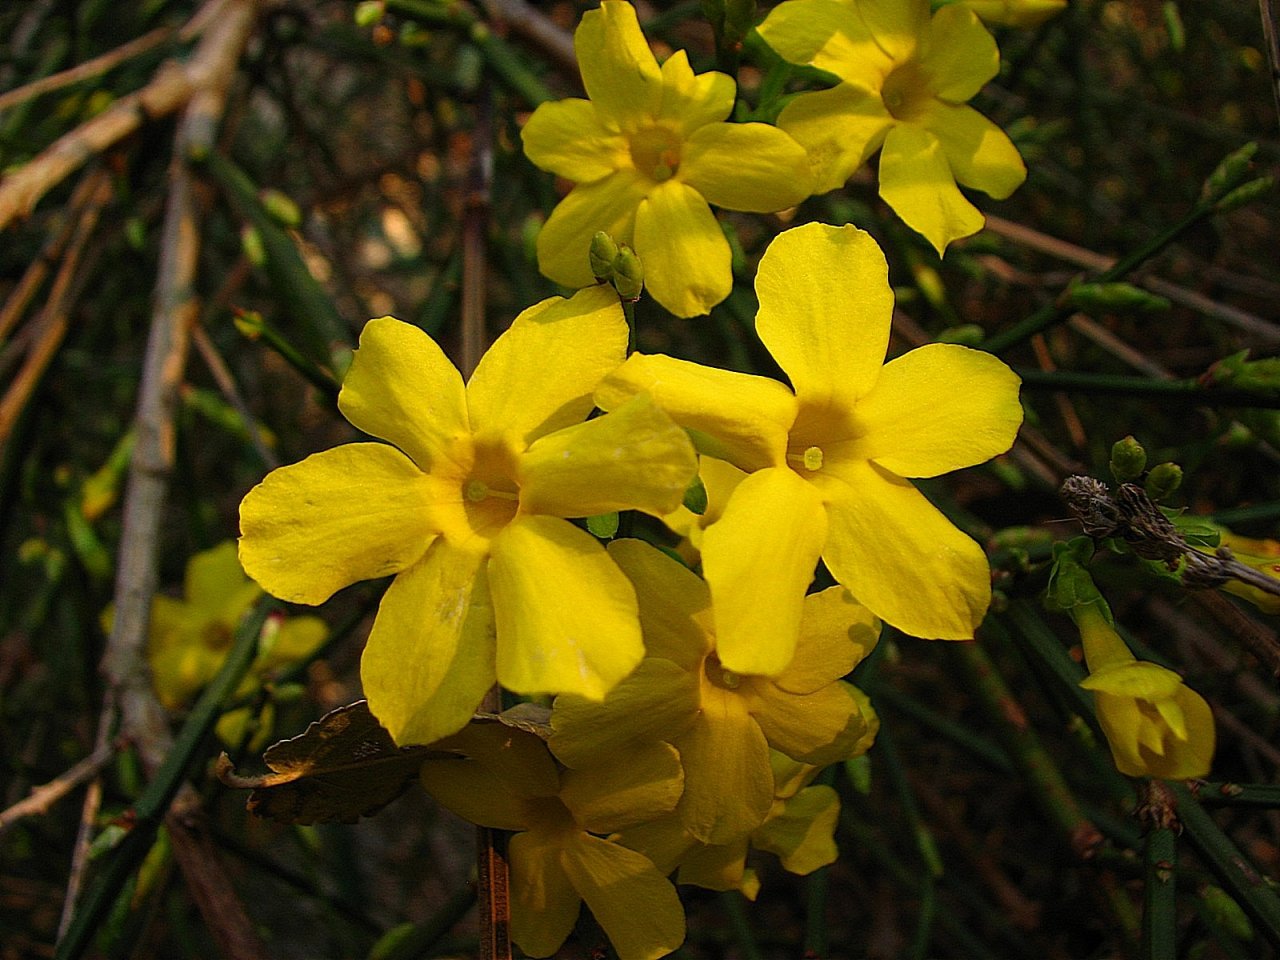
(1245,194)
(1163,479)
(628,274)
(1230,173)
(1128,460)
(1105,297)
(602,253)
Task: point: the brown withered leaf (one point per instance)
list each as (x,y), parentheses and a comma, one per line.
(343,767)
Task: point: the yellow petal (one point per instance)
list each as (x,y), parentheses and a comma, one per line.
(836,632)
(903,559)
(1016,13)
(567,138)
(828,34)
(566,615)
(429,657)
(979,153)
(958,55)
(822,727)
(687,261)
(635,905)
(664,841)
(511,395)
(656,701)
(675,603)
(403,389)
(607,204)
(1135,678)
(627,789)
(634,458)
(720,867)
(803,833)
(737,417)
(1121,723)
(180,670)
(917,182)
(938,408)
(896,25)
(488,789)
(356,512)
(544,905)
(690,101)
(746,166)
(728,788)
(619,71)
(296,639)
(825,307)
(759,559)
(839,129)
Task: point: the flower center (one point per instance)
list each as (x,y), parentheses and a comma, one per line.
(810,460)
(906,91)
(655,151)
(719,676)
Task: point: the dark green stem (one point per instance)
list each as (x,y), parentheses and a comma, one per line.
(1160,915)
(1183,391)
(1057,311)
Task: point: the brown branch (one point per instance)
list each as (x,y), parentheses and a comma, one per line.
(171,88)
(87,70)
(43,797)
(536,27)
(143,721)
(50,325)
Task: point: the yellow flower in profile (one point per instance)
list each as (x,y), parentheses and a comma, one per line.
(506,779)
(648,152)
(467,505)
(1155,724)
(189,638)
(905,79)
(829,458)
(1015,13)
(723,723)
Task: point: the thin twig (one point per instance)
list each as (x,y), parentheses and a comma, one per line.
(87,70)
(43,797)
(169,90)
(50,326)
(88,821)
(1270,38)
(537,27)
(143,722)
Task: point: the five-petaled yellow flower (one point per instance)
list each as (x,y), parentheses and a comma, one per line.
(648,151)
(1155,724)
(470,513)
(723,723)
(905,78)
(828,460)
(508,780)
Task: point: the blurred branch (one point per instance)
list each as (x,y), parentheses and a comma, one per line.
(172,87)
(1269,37)
(537,27)
(143,721)
(43,797)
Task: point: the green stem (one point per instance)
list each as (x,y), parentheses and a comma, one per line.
(732,901)
(1056,312)
(149,811)
(1183,391)
(1160,915)
(1263,795)
(1250,889)
(500,56)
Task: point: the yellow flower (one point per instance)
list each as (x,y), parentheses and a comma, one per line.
(509,781)
(905,78)
(188,639)
(471,517)
(828,461)
(723,723)
(1155,724)
(648,151)
(799,829)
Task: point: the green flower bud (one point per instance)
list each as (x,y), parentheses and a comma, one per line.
(251,244)
(1128,460)
(281,208)
(1163,479)
(368,12)
(1230,173)
(1246,194)
(628,274)
(1226,912)
(1112,297)
(601,254)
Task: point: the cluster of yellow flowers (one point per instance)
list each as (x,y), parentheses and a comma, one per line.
(697,692)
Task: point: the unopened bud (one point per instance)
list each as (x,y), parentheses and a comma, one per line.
(1111,297)
(1128,460)
(602,253)
(628,274)
(1246,194)
(369,12)
(1163,479)
(281,208)
(1230,173)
